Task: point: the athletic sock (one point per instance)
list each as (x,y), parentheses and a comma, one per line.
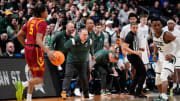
(29,97)
(25,84)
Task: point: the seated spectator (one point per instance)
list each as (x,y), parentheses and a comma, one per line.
(13,28)
(3,41)
(9,49)
(5,21)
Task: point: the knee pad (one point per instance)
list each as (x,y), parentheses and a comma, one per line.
(158,80)
(164,75)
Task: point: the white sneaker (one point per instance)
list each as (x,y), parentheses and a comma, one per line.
(77,92)
(91,95)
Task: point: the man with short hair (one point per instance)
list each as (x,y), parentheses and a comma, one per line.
(78,49)
(34,30)
(99,38)
(131,46)
(61,37)
(166,45)
(105,60)
(111,31)
(9,49)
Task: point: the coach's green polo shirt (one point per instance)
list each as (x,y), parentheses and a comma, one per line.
(59,40)
(78,52)
(98,42)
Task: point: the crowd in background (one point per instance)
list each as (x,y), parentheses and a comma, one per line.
(15,13)
(109,17)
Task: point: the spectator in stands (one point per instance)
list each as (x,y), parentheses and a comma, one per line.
(177,10)
(81,5)
(111,31)
(99,38)
(107,39)
(155,11)
(3,41)
(115,20)
(9,49)
(2,5)
(82,22)
(53,17)
(61,4)
(21,4)
(167,10)
(13,28)
(11,4)
(77,17)
(112,6)
(85,10)
(67,7)
(72,11)
(123,14)
(5,21)
(29,13)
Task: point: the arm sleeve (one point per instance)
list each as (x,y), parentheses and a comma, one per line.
(42,27)
(53,43)
(67,45)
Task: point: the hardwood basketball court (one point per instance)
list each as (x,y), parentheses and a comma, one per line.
(114,97)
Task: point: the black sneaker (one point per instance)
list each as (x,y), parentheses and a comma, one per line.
(140,96)
(86,95)
(131,93)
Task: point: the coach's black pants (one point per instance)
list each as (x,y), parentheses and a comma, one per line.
(140,75)
(105,75)
(83,72)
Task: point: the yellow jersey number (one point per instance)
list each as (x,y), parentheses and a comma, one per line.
(31,29)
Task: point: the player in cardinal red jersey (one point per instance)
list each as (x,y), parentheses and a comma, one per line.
(34,30)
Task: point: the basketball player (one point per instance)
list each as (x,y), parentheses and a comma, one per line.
(165,44)
(34,30)
(143,35)
(171,28)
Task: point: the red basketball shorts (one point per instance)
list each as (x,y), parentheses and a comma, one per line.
(35,59)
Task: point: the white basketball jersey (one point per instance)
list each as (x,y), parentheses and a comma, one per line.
(163,48)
